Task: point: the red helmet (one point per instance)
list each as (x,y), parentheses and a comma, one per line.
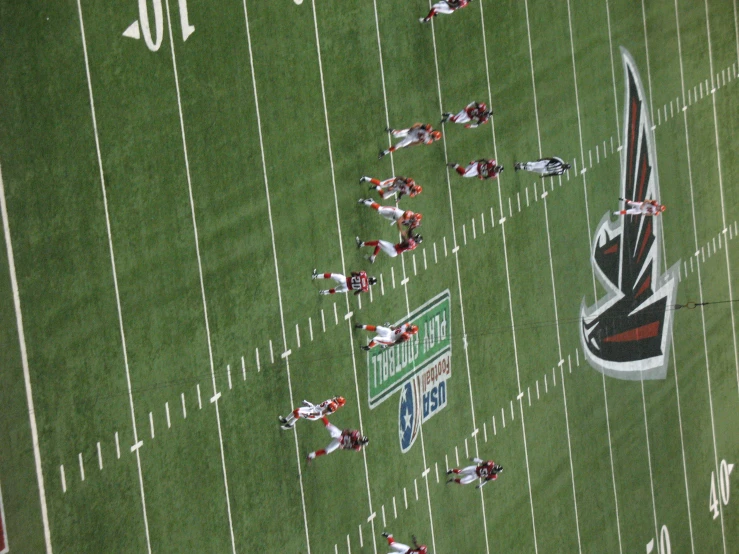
(422,549)
(482,106)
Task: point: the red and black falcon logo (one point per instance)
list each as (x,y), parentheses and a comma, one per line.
(627,333)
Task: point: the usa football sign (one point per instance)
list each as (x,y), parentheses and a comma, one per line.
(418,368)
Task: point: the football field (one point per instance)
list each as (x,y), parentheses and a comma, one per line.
(172,171)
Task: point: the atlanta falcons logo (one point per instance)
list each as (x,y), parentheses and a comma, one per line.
(627,333)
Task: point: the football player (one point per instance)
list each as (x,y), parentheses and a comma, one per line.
(482,169)
(546,167)
(418,134)
(446,7)
(406,218)
(392,186)
(648,207)
(388,336)
(408,243)
(357,281)
(484,471)
(348,439)
(473,115)
(311,411)
(404,548)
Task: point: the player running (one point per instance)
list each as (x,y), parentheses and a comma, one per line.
(311,411)
(418,134)
(482,169)
(388,336)
(394,185)
(357,281)
(648,207)
(404,548)
(484,471)
(348,439)
(407,244)
(546,167)
(445,7)
(473,115)
(408,219)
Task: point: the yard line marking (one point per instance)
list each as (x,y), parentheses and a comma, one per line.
(361,538)
(372,516)
(310,322)
(537,389)
(485,430)
(382,283)
(284,355)
(64,479)
(456,455)
(672,114)
(384,522)
(502,415)
(577,356)
(425,266)
(605,150)
(554,378)
(277,272)
(271,352)
(510,209)
(228,372)
(100,456)
(200,274)
(474,232)
(169,422)
(405,498)
(117,446)
(414,268)
(536,193)
(456,248)
(370,292)
(445,252)
(492,217)
(546,386)
(184,407)
(124,347)
(348,545)
(415,484)
(297,335)
(336,315)
(528,389)
(348,316)
(518,198)
(527,197)
(82,467)
(569,362)
(597,155)
(659,119)
(482,222)
(336,549)
(243,371)
(151,424)
(259,367)
(136,446)
(533,84)
(436,259)
(512,416)
(613,77)
(590,157)
(700,283)
(464,235)
(392,274)
(649,452)
(323,317)
(466,448)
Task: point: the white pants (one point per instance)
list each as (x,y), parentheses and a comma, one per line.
(537,167)
(389,249)
(340,279)
(335,433)
(461,117)
(399,547)
(472,170)
(467,475)
(408,137)
(391,213)
(443,7)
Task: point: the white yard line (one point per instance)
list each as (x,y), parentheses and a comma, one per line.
(216,394)
(613,79)
(721,193)
(277,274)
(343,264)
(26,371)
(124,346)
(649,71)
(700,280)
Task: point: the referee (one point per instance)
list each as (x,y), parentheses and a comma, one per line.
(546,167)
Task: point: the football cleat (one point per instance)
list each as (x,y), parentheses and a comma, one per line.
(314,275)
(365,348)
(386,534)
(360,201)
(449,471)
(323,292)
(450,481)
(358,326)
(622,199)
(286,427)
(517,166)
(364,179)
(283,420)
(358,241)
(389,130)
(381,155)
(371,259)
(451,165)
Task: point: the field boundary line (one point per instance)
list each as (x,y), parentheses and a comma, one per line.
(26,370)
(216,394)
(277,271)
(115,274)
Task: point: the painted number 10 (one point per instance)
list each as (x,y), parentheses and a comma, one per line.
(664,542)
(724,487)
(142,26)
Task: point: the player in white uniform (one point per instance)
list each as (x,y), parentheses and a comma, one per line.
(546,167)
(348,439)
(392,186)
(401,548)
(473,115)
(482,470)
(388,336)
(648,207)
(408,243)
(311,411)
(357,281)
(418,134)
(402,218)
(445,7)
(482,169)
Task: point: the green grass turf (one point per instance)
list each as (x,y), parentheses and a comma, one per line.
(616,489)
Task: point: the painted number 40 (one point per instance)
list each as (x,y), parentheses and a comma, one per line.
(724,487)
(142,26)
